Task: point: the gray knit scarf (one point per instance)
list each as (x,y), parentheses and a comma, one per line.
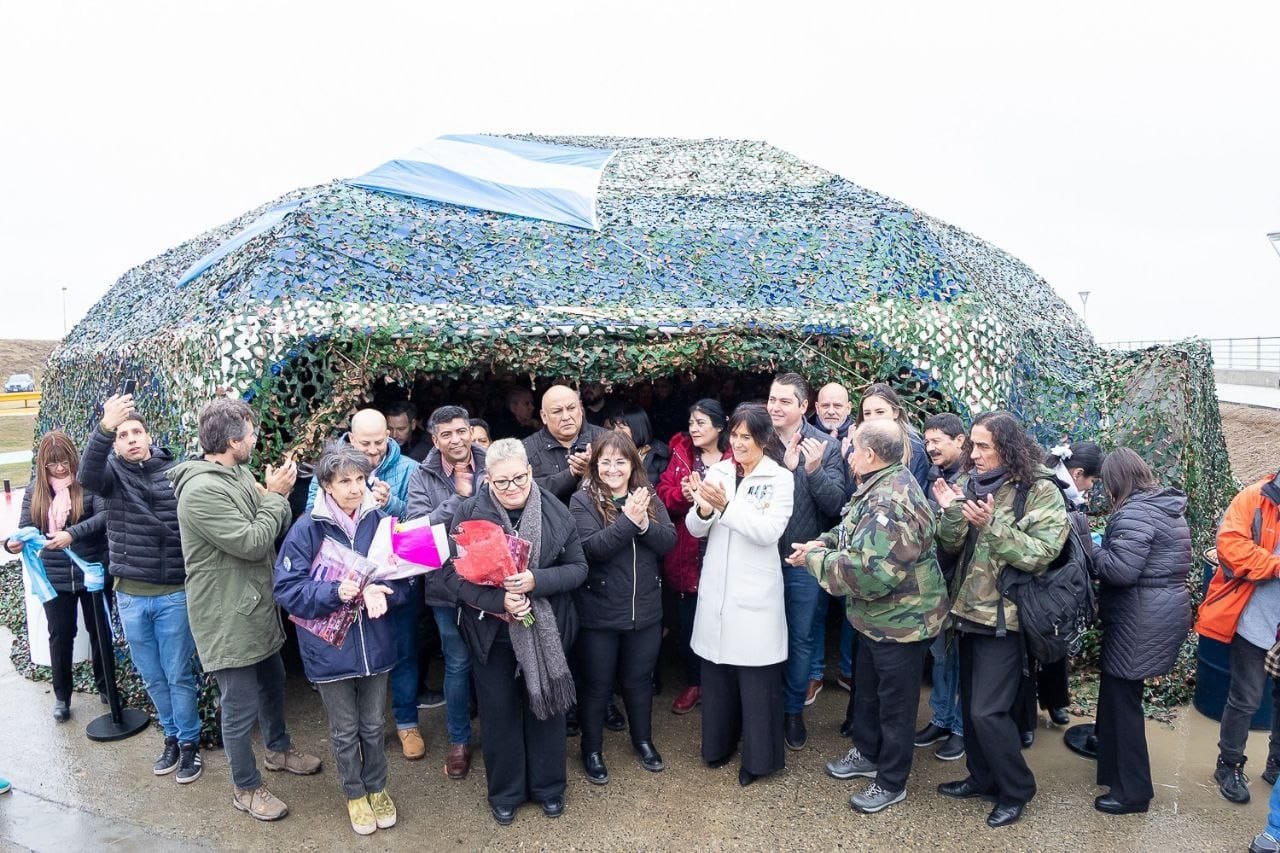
(539,654)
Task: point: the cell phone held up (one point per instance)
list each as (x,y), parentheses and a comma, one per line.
(130,385)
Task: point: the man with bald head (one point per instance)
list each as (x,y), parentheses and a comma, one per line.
(558,452)
(881,557)
(389,483)
(832,413)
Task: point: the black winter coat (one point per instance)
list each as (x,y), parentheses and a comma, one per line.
(1143,603)
(142,511)
(623,591)
(561,568)
(818,496)
(87,541)
(550,460)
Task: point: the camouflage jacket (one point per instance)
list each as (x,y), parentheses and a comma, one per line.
(881,557)
(1028,545)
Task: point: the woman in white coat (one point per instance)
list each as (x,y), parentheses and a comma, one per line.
(742,506)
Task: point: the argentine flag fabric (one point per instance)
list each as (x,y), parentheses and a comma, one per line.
(558,183)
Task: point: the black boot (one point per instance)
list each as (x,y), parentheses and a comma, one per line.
(793,731)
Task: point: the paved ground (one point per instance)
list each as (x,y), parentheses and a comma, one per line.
(1250,395)
(73,794)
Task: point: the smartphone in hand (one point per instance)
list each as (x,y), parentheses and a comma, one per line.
(130,385)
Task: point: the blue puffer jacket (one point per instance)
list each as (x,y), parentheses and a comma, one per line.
(369,647)
(395,469)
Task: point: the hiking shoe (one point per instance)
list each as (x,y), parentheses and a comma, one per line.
(930,734)
(1263,842)
(260,803)
(363,820)
(876,799)
(297,763)
(853,764)
(384,811)
(952,750)
(168,760)
(1272,772)
(1232,783)
(411,743)
(190,767)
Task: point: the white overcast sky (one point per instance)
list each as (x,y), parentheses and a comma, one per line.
(1127,149)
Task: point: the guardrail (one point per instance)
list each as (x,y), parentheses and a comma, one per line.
(1228,353)
(26,398)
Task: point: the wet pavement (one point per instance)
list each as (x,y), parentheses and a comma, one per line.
(73,794)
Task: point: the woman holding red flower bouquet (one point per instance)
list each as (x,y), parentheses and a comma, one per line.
(523,683)
(625,533)
(352,676)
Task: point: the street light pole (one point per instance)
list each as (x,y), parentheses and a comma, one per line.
(1084,306)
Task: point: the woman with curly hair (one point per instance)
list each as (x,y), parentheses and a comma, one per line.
(981,523)
(625,532)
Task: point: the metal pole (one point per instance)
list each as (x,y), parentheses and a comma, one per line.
(64,312)
(1084,306)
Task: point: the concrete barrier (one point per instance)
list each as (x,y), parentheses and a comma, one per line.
(1260,378)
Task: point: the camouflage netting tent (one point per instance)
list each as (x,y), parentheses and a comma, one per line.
(709,253)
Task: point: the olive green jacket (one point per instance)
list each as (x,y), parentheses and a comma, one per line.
(1028,545)
(229,528)
(881,557)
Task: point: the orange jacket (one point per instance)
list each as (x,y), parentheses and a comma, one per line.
(1243,560)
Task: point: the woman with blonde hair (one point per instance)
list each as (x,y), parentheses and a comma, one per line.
(881,401)
(69,517)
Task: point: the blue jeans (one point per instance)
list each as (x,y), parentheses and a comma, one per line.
(163,651)
(817,665)
(801,594)
(404,675)
(457,675)
(1273,816)
(944,699)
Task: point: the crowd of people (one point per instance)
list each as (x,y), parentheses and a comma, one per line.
(722,531)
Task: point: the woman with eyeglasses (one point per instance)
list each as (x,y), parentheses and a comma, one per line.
(742,507)
(523,683)
(70,517)
(625,533)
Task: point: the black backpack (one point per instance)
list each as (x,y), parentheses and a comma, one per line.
(1055,607)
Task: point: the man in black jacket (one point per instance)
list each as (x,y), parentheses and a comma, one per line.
(944,441)
(558,452)
(451,473)
(820,479)
(122,465)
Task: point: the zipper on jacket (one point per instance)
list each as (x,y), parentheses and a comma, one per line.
(633,580)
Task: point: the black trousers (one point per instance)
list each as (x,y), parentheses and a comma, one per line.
(523,756)
(887,687)
(990,675)
(1049,684)
(616,658)
(743,703)
(1123,762)
(60,613)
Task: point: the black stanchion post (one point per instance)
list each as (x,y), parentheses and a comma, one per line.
(1082,740)
(122,722)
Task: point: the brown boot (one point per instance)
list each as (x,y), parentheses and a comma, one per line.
(457,764)
(259,802)
(412,744)
(297,763)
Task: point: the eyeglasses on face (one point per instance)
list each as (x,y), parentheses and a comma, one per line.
(516,482)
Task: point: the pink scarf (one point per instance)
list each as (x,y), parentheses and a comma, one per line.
(60,506)
(340,517)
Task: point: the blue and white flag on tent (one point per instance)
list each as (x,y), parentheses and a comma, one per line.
(261,225)
(558,183)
